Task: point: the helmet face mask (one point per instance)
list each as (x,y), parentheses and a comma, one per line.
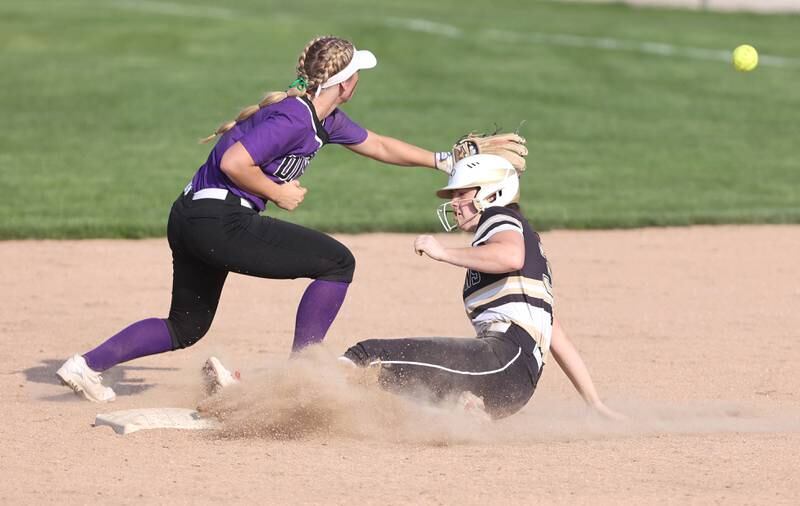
(494,177)
(450,211)
(444,212)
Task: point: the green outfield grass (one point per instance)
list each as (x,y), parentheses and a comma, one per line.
(103,101)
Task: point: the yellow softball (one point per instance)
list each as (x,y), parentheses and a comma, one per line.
(745,58)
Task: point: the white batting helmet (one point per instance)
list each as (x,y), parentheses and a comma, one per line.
(494,177)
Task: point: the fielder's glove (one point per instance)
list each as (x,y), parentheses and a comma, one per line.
(510,146)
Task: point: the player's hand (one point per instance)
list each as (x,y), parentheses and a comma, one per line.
(430,246)
(290,195)
(608,413)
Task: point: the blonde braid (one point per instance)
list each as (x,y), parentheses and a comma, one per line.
(324,57)
(321,58)
(301,60)
(338,60)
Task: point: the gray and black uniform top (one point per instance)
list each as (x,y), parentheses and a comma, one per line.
(513,317)
(525,297)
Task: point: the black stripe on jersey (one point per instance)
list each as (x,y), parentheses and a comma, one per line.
(494,226)
(514,297)
(320,129)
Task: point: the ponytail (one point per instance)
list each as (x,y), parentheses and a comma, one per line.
(270,98)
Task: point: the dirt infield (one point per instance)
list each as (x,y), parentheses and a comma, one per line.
(692,332)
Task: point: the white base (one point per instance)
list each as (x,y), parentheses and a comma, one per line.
(132,420)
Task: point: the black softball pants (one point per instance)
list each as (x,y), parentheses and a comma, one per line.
(210,238)
(501,368)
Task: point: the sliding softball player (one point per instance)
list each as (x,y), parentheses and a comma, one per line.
(215,227)
(507,296)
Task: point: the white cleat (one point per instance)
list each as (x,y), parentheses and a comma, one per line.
(346,362)
(217,377)
(83,380)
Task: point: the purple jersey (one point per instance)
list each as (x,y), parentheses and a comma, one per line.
(282,139)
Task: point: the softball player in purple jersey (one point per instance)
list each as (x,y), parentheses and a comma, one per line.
(214,226)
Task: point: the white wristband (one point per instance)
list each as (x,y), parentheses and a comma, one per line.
(443,160)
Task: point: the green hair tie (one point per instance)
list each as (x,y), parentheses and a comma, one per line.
(300,83)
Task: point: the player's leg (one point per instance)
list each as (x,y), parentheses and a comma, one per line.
(195,295)
(424,366)
(196,289)
(497,370)
(298,252)
(270,248)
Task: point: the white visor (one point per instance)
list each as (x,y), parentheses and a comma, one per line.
(362,59)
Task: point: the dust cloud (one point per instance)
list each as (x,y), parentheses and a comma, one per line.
(314,396)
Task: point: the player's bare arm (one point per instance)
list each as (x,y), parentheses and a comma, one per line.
(570,361)
(239,166)
(394,151)
(504,252)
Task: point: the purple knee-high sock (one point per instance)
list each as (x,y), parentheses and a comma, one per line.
(318,308)
(146,337)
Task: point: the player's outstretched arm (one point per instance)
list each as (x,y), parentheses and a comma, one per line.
(394,151)
(573,366)
(385,149)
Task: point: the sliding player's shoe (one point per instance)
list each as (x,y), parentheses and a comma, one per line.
(217,377)
(473,405)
